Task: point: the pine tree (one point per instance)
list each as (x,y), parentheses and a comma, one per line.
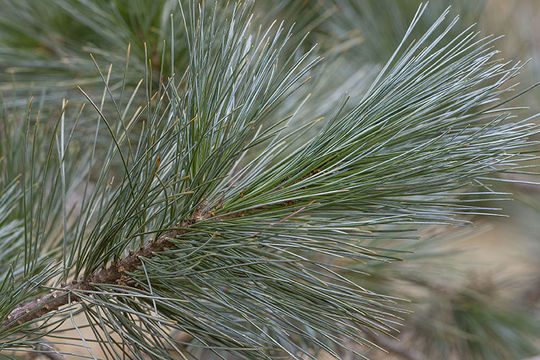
(204,212)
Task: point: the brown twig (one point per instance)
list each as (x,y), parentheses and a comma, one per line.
(115,274)
(48,351)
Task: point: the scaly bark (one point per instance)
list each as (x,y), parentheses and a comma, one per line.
(115,274)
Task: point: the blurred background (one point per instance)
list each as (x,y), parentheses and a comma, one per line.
(474,291)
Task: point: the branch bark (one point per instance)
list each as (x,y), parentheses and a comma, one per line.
(48,351)
(115,274)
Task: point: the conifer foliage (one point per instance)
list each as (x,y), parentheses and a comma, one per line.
(191,219)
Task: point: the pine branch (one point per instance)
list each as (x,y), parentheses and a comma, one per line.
(115,274)
(239,221)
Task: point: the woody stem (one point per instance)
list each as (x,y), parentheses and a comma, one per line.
(55,299)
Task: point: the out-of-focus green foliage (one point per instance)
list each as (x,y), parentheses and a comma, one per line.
(45,45)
